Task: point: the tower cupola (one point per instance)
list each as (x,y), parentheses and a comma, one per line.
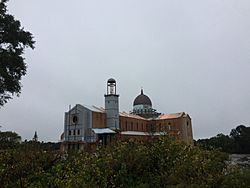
(111,86)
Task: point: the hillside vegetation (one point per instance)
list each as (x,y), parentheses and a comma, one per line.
(238,141)
(161,163)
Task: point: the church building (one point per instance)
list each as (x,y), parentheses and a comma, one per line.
(90,125)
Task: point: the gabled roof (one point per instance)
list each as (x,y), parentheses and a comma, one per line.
(98,109)
(91,108)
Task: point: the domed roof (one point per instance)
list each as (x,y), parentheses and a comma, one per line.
(111,80)
(142,100)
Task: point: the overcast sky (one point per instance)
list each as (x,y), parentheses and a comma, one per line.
(191,56)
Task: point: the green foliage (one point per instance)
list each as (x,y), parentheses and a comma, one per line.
(13,41)
(9,139)
(237,177)
(158,163)
(237,142)
(26,166)
(221,141)
(241,137)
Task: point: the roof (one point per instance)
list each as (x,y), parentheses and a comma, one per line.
(172,116)
(125,114)
(111,80)
(139,133)
(103,131)
(142,100)
(95,109)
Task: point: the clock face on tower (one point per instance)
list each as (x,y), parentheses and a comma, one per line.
(75,119)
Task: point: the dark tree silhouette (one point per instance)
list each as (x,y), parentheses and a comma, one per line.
(241,136)
(237,142)
(9,139)
(13,41)
(35,138)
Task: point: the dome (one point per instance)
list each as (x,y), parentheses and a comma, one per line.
(142,100)
(111,80)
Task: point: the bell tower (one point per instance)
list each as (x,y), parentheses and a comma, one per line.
(112,105)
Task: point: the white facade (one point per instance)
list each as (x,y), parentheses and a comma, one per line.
(77,121)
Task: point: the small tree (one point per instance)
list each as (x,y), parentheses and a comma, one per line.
(35,137)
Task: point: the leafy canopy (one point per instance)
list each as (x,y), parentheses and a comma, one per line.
(13,40)
(238,141)
(127,164)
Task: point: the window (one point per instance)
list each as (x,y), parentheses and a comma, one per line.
(75,119)
(74,132)
(69,132)
(78,132)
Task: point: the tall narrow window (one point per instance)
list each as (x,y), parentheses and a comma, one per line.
(74,132)
(78,132)
(69,132)
(75,119)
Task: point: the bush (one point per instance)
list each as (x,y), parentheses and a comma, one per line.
(159,163)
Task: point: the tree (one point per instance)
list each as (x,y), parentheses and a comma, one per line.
(9,139)
(35,138)
(221,142)
(241,136)
(237,142)
(13,40)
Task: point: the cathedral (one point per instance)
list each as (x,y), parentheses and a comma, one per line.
(90,125)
